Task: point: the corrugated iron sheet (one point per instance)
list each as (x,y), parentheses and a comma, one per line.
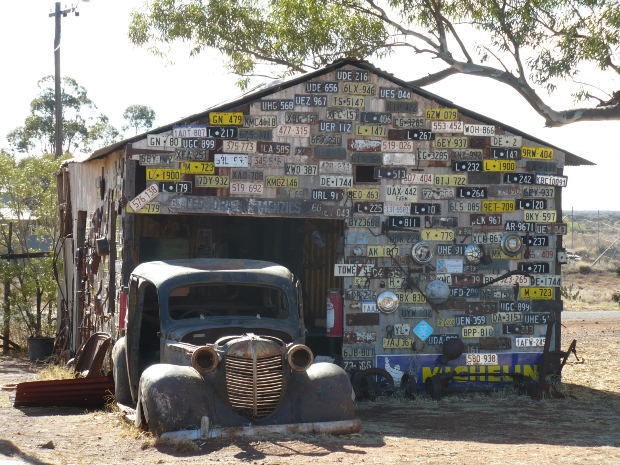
(79,392)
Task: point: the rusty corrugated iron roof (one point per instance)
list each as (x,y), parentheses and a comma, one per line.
(79,392)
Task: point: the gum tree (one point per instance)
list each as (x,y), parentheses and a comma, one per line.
(532,46)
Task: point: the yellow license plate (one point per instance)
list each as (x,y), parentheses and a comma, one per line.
(371,130)
(152,208)
(358,88)
(536,293)
(498,254)
(163,174)
(197,167)
(382,251)
(363,194)
(539,153)
(446,322)
(397,343)
(444,235)
(226,119)
(450,180)
(540,216)
(499,165)
(410,297)
(476,331)
(281,181)
(497,206)
(451,142)
(445,114)
(211,181)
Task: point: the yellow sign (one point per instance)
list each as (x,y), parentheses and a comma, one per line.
(477,331)
(499,165)
(498,206)
(211,181)
(410,297)
(539,153)
(226,119)
(358,88)
(536,293)
(197,167)
(451,142)
(450,180)
(281,181)
(371,130)
(445,114)
(397,343)
(382,251)
(363,194)
(446,322)
(152,208)
(443,235)
(163,174)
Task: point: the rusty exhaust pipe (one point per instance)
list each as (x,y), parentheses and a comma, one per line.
(299,357)
(205,359)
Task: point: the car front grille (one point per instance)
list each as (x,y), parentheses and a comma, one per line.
(254,385)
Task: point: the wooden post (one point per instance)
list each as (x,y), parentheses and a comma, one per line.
(7,298)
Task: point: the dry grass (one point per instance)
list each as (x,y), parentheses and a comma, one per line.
(51,371)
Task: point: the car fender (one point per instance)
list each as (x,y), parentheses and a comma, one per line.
(122,391)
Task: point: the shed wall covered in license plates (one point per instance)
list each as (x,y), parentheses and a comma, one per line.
(426,221)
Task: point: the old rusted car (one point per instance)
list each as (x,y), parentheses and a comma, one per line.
(216,347)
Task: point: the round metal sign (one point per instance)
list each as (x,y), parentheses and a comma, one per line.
(387,302)
(473,254)
(511,243)
(422,252)
(437,292)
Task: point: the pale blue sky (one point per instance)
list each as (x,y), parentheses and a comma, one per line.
(96,52)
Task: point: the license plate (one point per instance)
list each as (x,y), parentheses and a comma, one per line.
(356,352)
(471,192)
(239,146)
(482,219)
(536,293)
(358,88)
(292,130)
(536,318)
(335,126)
(476,331)
(447,126)
(529,342)
(531,204)
(400,193)
(450,180)
(552,229)
(335,181)
(505,154)
(267,161)
(479,130)
(301,170)
(536,241)
(433,155)
(437,193)
(364,145)
(409,123)
(519,226)
(548,281)
(465,292)
(225,160)
(451,142)
(507,317)
(444,235)
(539,191)
(514,306)
(450,249)
(363,221)
(144,197)
(335,167)
(149,208)
(471,320)
(397,209)
(498,206)
(439,339)
(540,216)
(371,130)
(389,173)
(487,238)
(357,365)
(397,343)
(551,180)
(410,297)
(375,117)
(246,188)
(467,206)
(398,158)
(399,222)
(211,181)
(359,337)
(417,178)
(363,194)
(539,153)
(260,121)
(467,166)
(397,146)
(519,178)
(380,251)
(506,141)
(499,165)
(368,208)
(158,159)
(511,280)
(481,359)
(164,174)
(539,254)
(327,194)
(352,269)
(425,209)
(518,329)
(226,119)
(310,100)
(534,267)
(274,182)
(445,114)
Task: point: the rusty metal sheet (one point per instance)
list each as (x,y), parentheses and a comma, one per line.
(80,392)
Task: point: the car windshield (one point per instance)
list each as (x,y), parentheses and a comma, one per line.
(229,299)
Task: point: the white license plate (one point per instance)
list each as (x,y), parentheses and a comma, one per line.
(239,146)
(487,238)
(397,146)
(467,206)
(418,178)
(507,317)
(506,141)
(511,280)
(352,269)
(144,197)
(435,155)
(396,193)
(293,130)
(481,359)
(447,126)
(335,181)
(335,167)
(399,159)
(547,281)
(225,160)
(540,216)
(397,209)
(479,130)
(437,193)
(551,180)
(529,341)
(451,142)
(246,188)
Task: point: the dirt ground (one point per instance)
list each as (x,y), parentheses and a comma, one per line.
(498,428)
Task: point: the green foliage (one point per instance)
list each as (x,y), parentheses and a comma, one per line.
(138,117)
(517,42)
(82,125)
(569,293)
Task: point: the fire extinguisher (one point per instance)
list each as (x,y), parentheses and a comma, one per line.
(335,313)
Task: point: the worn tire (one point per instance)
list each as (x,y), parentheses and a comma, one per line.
(122,392)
